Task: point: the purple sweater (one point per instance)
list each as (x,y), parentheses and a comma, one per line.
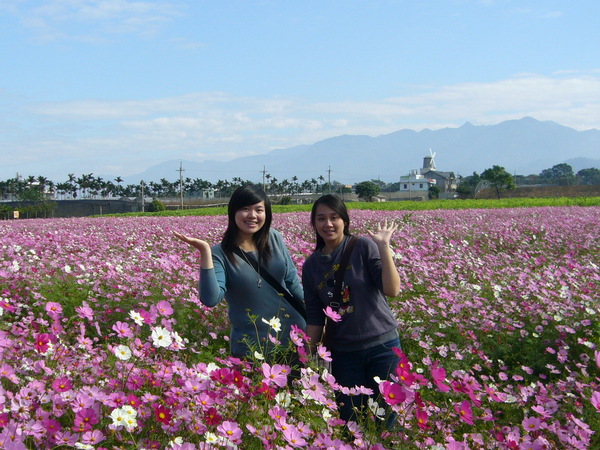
(367,319)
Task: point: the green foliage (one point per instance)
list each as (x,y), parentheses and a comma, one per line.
(286,200)
(589,176)
(434,192)
(399,206)
(367,190)
(156,206)
(499,179)
(561,174)
(31,194)
(467,185)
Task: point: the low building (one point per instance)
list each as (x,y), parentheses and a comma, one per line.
(446,181)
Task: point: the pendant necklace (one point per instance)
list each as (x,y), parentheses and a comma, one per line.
(256,269)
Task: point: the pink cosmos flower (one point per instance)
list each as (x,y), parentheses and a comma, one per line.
(456,445)
(231,431)
(276,374)
(54,310)
(296,338)
(422,417)
(277,413)
(333,315)
(42,341)
(66,438)
(92,437)
(323,353)
(439,376)
(403,362)
(406,377)
(294,437)
(164,308)
(85,312)
(223,375)
(52,426)
(302,354)
(6,371)
(492,394)
(465,412)
(531,424)
(62,384)
(6,306)
(85,419)
(123,329)
(596,400)
(392,392)
(597,356)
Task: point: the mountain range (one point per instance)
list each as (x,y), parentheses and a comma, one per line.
(523,147)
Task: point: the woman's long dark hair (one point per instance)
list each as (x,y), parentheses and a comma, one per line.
(338,206)
(246,196)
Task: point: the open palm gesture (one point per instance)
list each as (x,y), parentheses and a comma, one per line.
(383,234)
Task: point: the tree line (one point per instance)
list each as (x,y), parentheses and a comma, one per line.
(88,186)
(499,179)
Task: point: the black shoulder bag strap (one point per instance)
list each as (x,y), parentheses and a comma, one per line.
(335,303)
(250,259)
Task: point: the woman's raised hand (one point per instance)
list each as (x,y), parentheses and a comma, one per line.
(198,244)
(383,234)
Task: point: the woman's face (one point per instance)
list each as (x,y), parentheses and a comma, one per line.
(329,225)
(250,219)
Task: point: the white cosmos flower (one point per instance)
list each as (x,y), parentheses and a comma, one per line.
(119,417)
(122,352)
(210,438)
(177,441)
(283,399)
(375,408)
(137,318)
(274,323)
(161,337)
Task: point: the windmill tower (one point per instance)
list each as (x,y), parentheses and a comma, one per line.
(428,162)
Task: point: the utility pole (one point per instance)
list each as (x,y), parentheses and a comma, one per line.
(142,186)
(264,172)
(181,182)
(329,178)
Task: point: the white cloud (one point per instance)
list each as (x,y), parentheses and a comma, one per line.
(137,134)
(93,19)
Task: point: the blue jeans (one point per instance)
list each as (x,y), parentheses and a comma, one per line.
(358,368)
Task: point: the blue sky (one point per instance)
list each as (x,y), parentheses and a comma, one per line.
(112,87)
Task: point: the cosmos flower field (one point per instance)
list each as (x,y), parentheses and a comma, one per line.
(104,343)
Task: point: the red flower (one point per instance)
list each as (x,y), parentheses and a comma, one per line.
(212,417)
(267,390)
(162,414)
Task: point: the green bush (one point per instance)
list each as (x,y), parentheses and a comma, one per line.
(156,206)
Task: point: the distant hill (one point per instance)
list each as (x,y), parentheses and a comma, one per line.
(522,147)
